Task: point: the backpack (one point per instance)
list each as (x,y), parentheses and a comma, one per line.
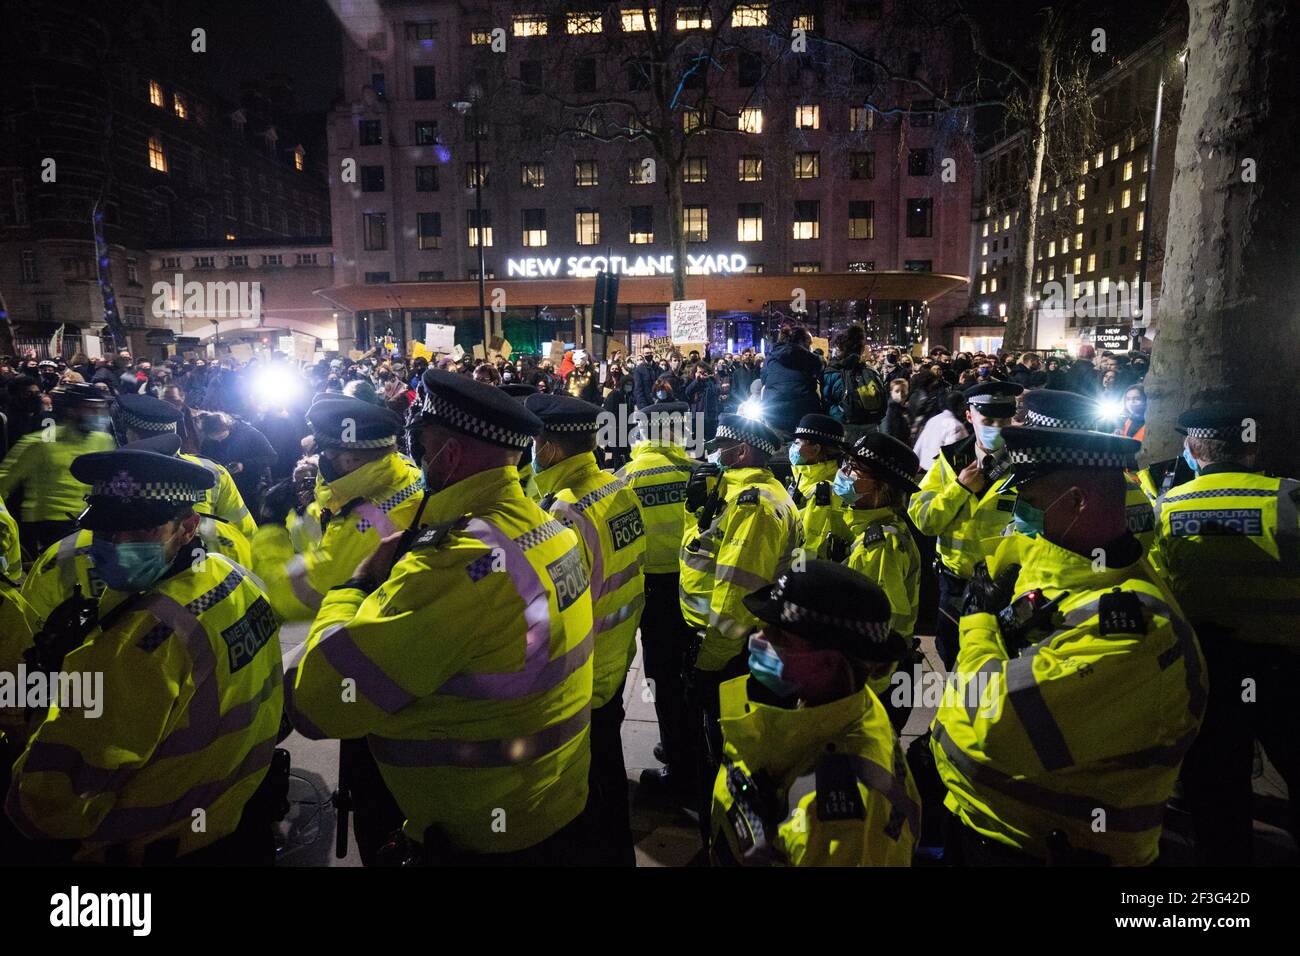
(864,400)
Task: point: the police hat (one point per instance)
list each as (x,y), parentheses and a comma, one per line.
(132,489)
(164,443)
(1222,420)
(747,431)
(519,389)
(833,607)
(144,413)
(820,429)
(993,399)
(665,408)
(890,459)
(564,413)
(1033,452)
(78,393)
(1049,408)
(483,412)
(351,423)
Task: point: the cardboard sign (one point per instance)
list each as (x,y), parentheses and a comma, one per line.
(417,350)
(685,348)
(506,349)
(94,350)
(688,320)
(557,351)
(304,347)
(458,353)
(823,344)
(662,346)
(357,355)
(614,349)
(479,353)
(285,344)
(171,350)
(440,339)
(241,351)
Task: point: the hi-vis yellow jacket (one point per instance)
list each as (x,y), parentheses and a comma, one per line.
(1139,513)
(749,543)
(43,470)
(1085,730)
(607,516)
(469,669)
(657,475)
(357,512)
(883,551)
(66,563)
(304,529)
(16,629)
(966,526)
(840,764)
(190,707)
(223,499)
(1228,543)
(821,512)
(11,555)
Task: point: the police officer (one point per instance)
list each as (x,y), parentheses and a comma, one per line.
(876,479)
(960,506)
(469,654)
(1228,542)
(192,691)
(1051,408)
(38,463)
(812,772)
(607,516)
(657,474)
(140,417)
(366,491)
(1080,685)
(815,454)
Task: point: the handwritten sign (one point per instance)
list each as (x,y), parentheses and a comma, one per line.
(688,320)
(662,346)
(823,344)
(94,350)
(304,347)
(440,339)
(557,351)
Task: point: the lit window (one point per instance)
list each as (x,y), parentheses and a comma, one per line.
(428,230)
(587,227)
(1110,205)
(749,222)
(641,229)
(584,173)
(534,227)
(696,169)
(1146,164)
(694,18)
(807,117)
(529,25)
(749,15)
(299,159)
(1099,159)
(1105,285)
(179,107)
(156,93)
(1142,193)
(805,21)
(1142,219)
(862,219)
(807,165)
(634,21)
(751,169)
(984,268)
(1114,151)
(1051,271)
(1081,192)
(476,174)
(641,172)
(1065,245)
(533,175)
(1083,168)
(1078,264)
(480,37)
(695,223)
(1128,170)
(1051,248)
(1126,199)
(157,158)
(1078,240)
(986,228)
(993,284)
(984,287)
(807,219)
(474,227)
(1137,254)
(984,249)
(1054,202)
(1078,216)
(751,120)
(585,22)
(692,120)
(806,267)
(1006,222)
(1092,261)
(861,119)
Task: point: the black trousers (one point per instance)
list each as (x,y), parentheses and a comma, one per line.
(1217,770)
(951,589)
(707,713)
(375,813)
(665,643)
(608,815)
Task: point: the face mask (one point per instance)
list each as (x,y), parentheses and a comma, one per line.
(507,376)
(990,436)
(767,667)
(1029,520)
(661,395)
(98,423)
(132,566)
(424,470)
(843,488)
(796,455)
(1192,463)
(715,458)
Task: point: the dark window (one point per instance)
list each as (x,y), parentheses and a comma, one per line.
(864,74)
(1109,229)
(475,126)
(375,235)
(924,113)
(920,162)
(642,219)
(1092,238)
(584,76)
(1123,255)
(434,276)
(862,165)
(638,76)
(920,217)
(530,76)
(372,179)
(1110,180)
(1123,226)
(913,62)
(426,133)
(750,69)
(426,179)
(429,227)
(426,88)
(1105,259)
(372,133)
(918,265)
(864,9)
(373,277)
(377,84)
(862,219)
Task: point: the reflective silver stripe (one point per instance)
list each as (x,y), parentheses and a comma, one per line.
(240,515)
(699,562)
(922,502)
(1081,809)
(957,544)
(699,603)
(991,666)
(1036,718)
(338,648)
(727,625)
(504,752)
(877,778)
(1223,493)
(66,559)
(304,592)
(571,516)
(661,470)
(740,577)
(611,621)
(619,578)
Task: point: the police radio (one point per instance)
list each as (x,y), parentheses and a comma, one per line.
(1028,619)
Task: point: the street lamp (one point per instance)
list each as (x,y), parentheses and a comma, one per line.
(470,107)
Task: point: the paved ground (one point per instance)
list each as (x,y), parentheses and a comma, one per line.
(665,836)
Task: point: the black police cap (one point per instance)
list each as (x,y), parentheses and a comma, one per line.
(1226,421)
(165,443)
(483,412)
(995,399)
(132,489)
(831,607)
(144,413)
(1032,452)
(747,431)
(564,413)
(1050,408)
(519,389)
(345,422)
(78,393)
(889,458)
(820,429)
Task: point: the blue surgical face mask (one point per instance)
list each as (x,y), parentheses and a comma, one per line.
(1192,463)
(843,487)
(766,666)
(796,457)
(661,395)
(131,566)
(990,436)
(1027,519)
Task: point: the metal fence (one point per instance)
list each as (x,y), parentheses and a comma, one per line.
(41,346)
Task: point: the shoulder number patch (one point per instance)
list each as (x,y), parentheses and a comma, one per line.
(1120,612)
(249,634)
(749,496)
(873,535)
(838,797)
(569,576)
(626,528)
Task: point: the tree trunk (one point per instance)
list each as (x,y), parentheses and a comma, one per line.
(1228,321)
(676,226)
(1017,334)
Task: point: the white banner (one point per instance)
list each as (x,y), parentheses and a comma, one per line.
(688,320)
(90,345)
(439,339)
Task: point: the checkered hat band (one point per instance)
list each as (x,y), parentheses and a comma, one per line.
(1220,433)
(1076,457)
(813,433)
(882,461)
(455,416)
(588,426)
(762,444)
(133,421)
(874,631)
(149,491)
(1047,421)
(329,441)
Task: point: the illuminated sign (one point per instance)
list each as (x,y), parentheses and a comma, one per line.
(580,266)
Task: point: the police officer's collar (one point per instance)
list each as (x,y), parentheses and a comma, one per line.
(567,472)
(360,483)
(1224,467)
(473,495)
(859,519)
